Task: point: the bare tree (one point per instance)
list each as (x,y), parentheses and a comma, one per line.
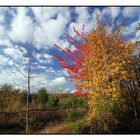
(27,69)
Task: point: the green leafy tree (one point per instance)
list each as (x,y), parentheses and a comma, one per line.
(42,96)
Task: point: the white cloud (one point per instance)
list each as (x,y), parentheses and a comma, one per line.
(41,67)
(131,29)
(112,11)
(57,81)
(3,10)
(11,76)
(6,42)
(89,20)
(82,13)
(48,58)
(3,60)
(14,53)
(131,11)
(51,24)
(51,31)
(44,59)
(21,25)
(64,90)
(5,76)
(49,84)
(50,70)
(138,34)
(63,44)
(45,13)
(1,18)
(83,17)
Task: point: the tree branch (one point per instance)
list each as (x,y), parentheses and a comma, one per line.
(19,70)
(38,85)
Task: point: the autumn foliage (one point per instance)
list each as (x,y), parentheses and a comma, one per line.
(99,63)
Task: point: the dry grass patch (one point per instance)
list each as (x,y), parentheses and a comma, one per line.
(61,128)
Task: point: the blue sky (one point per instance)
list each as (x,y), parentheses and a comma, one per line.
(50,24)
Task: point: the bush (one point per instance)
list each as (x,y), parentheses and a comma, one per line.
(69,103)
(74,101)
(42,96)
(81,101)
(74,115)
(53,101)
(9,98)
(107,115)
(79,127)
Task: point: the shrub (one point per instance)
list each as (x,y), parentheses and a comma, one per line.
(108,115)
(74,115)
(81,101)
(74,101)
(69,103)
(42,96)
(53,101)
(9,98)
(79,127)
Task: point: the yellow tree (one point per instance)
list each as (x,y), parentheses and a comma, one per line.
(106,55)
(107,63)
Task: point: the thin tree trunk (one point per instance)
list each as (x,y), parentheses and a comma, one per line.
(27,111)
(28,95)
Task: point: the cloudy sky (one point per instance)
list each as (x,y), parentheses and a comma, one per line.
(48,26)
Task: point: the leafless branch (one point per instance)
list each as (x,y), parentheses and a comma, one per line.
(19,70)
(18,84)
(38,84)
(38,76)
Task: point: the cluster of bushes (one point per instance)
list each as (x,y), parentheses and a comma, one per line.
(108,117)
(74,102)
(9,98)
(67,108)
(42,97)
(15,100)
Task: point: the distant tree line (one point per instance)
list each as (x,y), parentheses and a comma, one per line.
(15,100)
